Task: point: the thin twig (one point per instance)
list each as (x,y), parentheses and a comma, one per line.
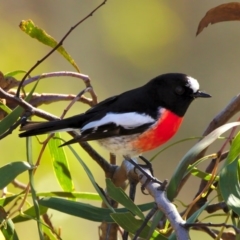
(27,107)
(56,47)
(84,77)
(216,207)
(198,224)
(74,100)
(18,184)
(145,222)
(48,98)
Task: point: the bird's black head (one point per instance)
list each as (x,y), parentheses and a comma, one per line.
(175,91)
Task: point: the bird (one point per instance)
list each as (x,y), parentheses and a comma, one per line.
(133,122)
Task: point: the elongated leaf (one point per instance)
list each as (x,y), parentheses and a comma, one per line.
(155,222)
(221,13)
(29,214)
(4,201)
(229,186)
(120,196)
(131,224)
(5,108)
(234,151)
(34,31)
(91,178)
(199,161)
(32,187)
(191,155)
(78,195)
(10,171)
(14,73)
(229,180)
(202,175)
(9,231)
(78,209)
(60,164)
(48,232)
(84,210)
(11,118)
(73,195)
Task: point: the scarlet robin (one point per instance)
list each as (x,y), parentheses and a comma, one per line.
(133,122)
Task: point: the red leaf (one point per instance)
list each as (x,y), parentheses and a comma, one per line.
(221,13)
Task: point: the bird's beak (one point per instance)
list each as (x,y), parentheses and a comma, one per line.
(201,95)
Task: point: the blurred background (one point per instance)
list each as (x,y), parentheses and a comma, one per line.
(122,46)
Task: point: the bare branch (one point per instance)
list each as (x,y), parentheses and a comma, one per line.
(88,89)
(19,184)
(84,77)
(162,202)
(28,107)
(199,224)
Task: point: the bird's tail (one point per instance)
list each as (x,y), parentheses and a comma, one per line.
(38,128)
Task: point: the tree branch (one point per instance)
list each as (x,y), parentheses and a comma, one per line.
(161,200)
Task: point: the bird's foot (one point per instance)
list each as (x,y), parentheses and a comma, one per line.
(147,165)
(140,167)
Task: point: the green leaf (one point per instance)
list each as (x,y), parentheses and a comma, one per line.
(121,197)
(83,210)
(229,180)
(14,73)
(32,187)
(4,201)
(34,31)
(199,161)
(91,178)
(5,108)
(9,231)
(29,214)
(60,164)
(202,175)
(155,221)
(78,209)
(229,186)
(234,150)
(131,224)
(48,232)
(10,171)
(192,154)
(71,195)
(11,118)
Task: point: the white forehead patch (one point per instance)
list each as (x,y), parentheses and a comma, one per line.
(193,84)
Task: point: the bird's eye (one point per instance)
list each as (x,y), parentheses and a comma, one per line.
(179,90)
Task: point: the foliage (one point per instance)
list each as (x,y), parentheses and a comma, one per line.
(221,182)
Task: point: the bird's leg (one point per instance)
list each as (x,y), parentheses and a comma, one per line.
(147,165)
(148,176)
